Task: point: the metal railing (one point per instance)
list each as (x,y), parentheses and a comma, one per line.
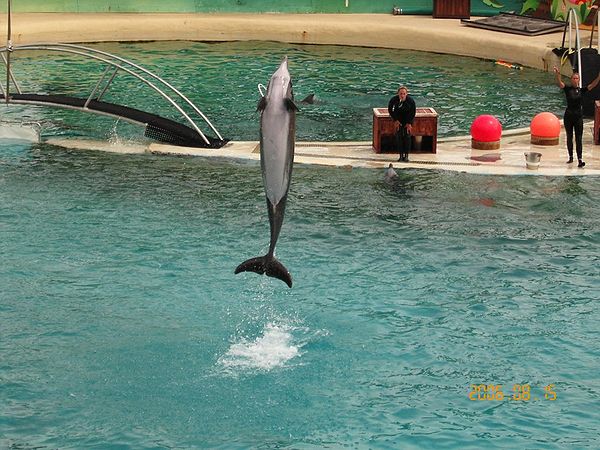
(115,64)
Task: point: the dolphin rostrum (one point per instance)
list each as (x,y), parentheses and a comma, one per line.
(277,136)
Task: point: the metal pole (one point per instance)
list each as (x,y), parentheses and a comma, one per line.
(108,84)
(8,51)
(12,75)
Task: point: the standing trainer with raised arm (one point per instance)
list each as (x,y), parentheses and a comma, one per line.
(402,109)
(573,118)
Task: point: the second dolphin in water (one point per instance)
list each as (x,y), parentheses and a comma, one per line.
(277,140)
(390,173)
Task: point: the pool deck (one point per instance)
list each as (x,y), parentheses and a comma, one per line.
(453,154)
(422,33)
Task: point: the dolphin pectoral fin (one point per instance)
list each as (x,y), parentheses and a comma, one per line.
(266,265)
(290,105)
(262,104)
(277,270)
(256,265)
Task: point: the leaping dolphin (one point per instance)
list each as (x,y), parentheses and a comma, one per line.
(277,137)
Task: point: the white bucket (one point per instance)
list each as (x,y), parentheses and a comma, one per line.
(532,159)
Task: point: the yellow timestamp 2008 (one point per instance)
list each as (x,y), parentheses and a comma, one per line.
(520,392)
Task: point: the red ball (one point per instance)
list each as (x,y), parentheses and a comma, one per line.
(545,124)
(486,128)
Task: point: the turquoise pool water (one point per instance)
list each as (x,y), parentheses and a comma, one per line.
(348,82)
(122,325)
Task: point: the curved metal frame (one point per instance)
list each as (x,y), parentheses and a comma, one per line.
(117,63)
(573,16)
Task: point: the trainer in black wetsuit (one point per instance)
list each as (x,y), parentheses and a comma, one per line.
(402,109)
(573,118)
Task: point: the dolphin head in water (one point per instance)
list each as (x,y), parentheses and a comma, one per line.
(390,172)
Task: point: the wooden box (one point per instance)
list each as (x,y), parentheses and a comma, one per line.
(424,131)
(451,9)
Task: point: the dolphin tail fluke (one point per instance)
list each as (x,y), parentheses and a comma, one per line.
(268,265)
(256,265)
(277,270)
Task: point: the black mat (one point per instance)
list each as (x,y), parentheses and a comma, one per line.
(517,24)
(157,127)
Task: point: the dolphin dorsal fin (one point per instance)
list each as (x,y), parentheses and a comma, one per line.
(262,104)
(290,105)
(310,99)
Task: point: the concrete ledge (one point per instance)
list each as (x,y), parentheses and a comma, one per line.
(454,154)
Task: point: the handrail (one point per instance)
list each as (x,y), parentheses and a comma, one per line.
(123,68)
(183,97)
(121,64)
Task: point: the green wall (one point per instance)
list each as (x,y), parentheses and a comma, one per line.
(253,6)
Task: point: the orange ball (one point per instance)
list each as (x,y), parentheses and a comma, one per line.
(486,128)
(545,125)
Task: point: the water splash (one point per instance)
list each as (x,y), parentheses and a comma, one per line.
(273,349)
(113,138)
